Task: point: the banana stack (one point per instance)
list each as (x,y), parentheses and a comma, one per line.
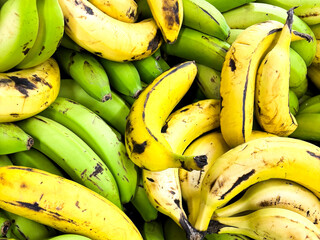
(154,119)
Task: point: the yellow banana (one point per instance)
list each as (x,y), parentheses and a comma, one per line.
(272,86)
(25,93)
(32,193)
(107,37)
(145,143)
(168,15)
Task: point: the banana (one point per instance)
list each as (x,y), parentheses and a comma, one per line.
(162,62)
(87,71)
(141,202)
(13,139)
(234,33)
(307,127)
(313,74)
(271,99)
(35,159)
(213,146)
(123,77)
(293,103)
(316,60)
(225,236)
(224,6)
(172,231)
(168,16)
(51,29)
(25,93)
(5,160)
(316,30)
(311,105)
(5,225)
(123,10)
(152,230)
(73,155)
(100,138)
(239,69)
(308,10)
(68,237)
(275,193)
(182,127)
(113,111)
(302,88)
(252,13)
(107,37)
(200,47)
(19,24)
(268,223)
(32,193)
(208,81)
(143,137)
(255,161)
(67,42)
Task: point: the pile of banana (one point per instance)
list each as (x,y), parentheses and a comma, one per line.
(155,119)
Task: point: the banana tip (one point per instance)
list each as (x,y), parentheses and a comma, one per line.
(106,97)
(30,143)
(201,160)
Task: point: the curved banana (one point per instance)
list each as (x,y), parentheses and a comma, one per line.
(13,139)
(182,127)
(19,24)
(123,10)
(268,223)
(238,80)
(275,193)
(27,92)
(51,29)
(255,161)
(168,16)
(72,213)
(107,37)
(271,101)
(144,139)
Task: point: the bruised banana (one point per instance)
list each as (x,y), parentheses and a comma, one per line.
(271,101)
(107,37)
(123,10)
(181,128)
(255,161)
(38,191)
(25,93)
(143,138)
(168,16)
(275,193)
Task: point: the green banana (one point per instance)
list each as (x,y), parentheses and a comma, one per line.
(123,77)
(200,47)
(251,13)
(51,29)
(85,69)
(13,139)
(68,237)
(208,80)
(225,236)
(316,30)
(5,160)
(308,127)
(67,42)
(293,103)
(100,138)
(311,105)
(308,10)
(313,74)
(163,64)
(224,6)
(113,111)
(73,155)
(172,231)
(19,24)
(35,159)
(234,33)
(152,230)
(301,89)
(5,225)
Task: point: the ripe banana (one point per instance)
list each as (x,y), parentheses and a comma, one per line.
(271,101)
(238,80)
(113,111)
(311,105)
(181,128)
(107,37)
(224,6)
(275,193)
(308,10)
(87,71)
(307,127)
(33,193)
(73,155)
(123,77)
(123,10)
(255,161)
(100,138)
(252,13)
(143,138)
(35,159)
(200,47)
(19,24)
(168,16)
(314,75)
(51,28)
(69,237)
(25,93)
(208,81)
(152,230)
(13,139)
